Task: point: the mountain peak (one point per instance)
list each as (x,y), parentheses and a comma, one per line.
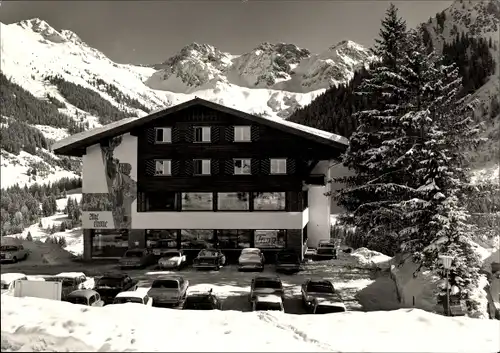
(36,24)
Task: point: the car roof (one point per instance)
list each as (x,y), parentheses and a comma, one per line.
(320,281)
(267,278)
(269,298)
(169,278)
(86,293)
(70,274)
(10,277)
(250,249)
(114,275)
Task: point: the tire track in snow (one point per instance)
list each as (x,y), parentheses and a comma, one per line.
(270,319)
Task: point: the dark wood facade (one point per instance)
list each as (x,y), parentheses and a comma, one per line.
(301,155)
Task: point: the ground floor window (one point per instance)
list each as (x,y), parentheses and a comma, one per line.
(270,239)
(197,238)
(109,243)
(235,239)
(161,238)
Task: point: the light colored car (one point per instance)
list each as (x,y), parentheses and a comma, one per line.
(139,296)
(251,259)
(268,302)
(87,297)
(172,259)
(8,281)
(13,253)
(169,290)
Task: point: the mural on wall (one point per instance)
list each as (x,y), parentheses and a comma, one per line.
(122,191)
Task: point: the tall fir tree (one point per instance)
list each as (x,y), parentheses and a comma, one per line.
(373,151)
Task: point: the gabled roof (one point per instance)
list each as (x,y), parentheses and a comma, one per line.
(75,144)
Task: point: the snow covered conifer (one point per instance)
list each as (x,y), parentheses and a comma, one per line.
(372,152)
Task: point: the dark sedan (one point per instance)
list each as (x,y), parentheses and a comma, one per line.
(209,259)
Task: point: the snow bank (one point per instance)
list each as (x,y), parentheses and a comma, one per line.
(45,325)
(371,259)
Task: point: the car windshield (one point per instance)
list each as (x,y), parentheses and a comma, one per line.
(267,283)
(326,250)
(8,248)
(109,282)
(264,306)
(208,253)
(199,303)
(172,254)
(320,287)
(78,300)
(5,285)
(123,300)
(287,257)
(328,309)
(133,254)
(165,283)
(66,282)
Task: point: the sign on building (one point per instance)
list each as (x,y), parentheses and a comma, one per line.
(98,220)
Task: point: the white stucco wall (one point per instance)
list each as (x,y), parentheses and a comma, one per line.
(217,220)
(93,173)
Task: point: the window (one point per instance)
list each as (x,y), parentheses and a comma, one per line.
(233,201)
(202,134)
(242,166)
(161,239)
(163,167)
(278,166)
(270,238)
(242,134)
(271,201)
(163,135)
(197,201)
(161,201)
(201,167)
(197,238)
(109,243)
(234,239)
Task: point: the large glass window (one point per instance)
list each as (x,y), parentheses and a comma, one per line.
(234,239)
(268,239)
(272,201)
(197,238)
(233,201)
(161,201)
(197,201)
(109,243)
(161,239)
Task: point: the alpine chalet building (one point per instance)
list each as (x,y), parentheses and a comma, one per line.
(200,175)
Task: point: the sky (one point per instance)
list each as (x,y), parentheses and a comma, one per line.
(149,32)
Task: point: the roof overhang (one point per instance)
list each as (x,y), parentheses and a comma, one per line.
(76,145)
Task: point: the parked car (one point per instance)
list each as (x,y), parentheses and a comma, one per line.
(137,258)
(8,281)
(87,297)
(170,290)
(13,253)
(82,282)
(288,262)
(69,284)
(326,250)
(109,285)
(209,259)
(268,302)
(320,296)
(137,296)
(202,301)
(266,285)
(251,259)
(172,259)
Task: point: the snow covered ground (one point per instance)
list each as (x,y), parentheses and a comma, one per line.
(31,324)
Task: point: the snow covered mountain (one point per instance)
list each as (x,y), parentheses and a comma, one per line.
(480,19)
(272,79)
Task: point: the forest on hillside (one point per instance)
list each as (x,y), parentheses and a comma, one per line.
(21,207)
(333,110)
